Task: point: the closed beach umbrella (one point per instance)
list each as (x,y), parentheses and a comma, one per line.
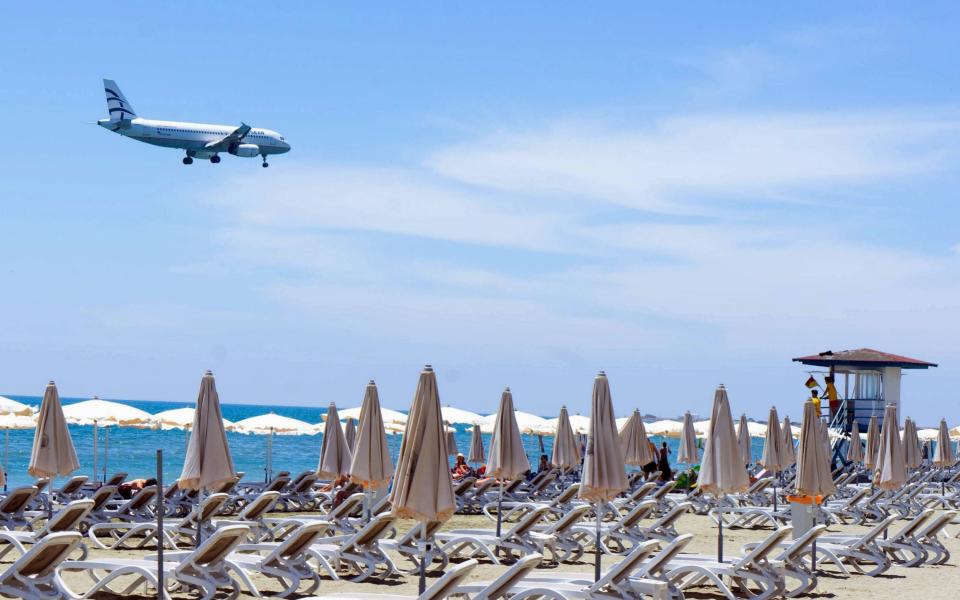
(8,422)
(633,442)
(604,473)
(855,451)
(911,445)
(335,455)
(743,441)
(688,453)
(507,459)
(458,415)
(891,471)
(350,433)
(825,439)
(873,443)
(53,453)
(789,451)
(451,437)
(771,459)
(566,450)
(9,406)
(103,413)
(371,466)
(721,470)
(476,446)
(943,455)
(813,459)
(272,424)
(422,488)
(207,463)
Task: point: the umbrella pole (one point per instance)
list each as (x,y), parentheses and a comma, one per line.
(776,480)
(6,447)
(94,453)
(499,508)
(720,535)
(160,510)
(106,450)
(596,561)
(199,516)
(423,557)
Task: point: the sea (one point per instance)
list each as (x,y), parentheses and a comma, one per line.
(135,450)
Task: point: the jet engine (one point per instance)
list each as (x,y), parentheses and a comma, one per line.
(245,150)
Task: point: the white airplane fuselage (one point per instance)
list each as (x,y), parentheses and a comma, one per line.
(193,137)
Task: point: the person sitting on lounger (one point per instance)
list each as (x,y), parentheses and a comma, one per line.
(461,469)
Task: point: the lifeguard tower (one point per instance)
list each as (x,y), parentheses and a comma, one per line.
(871,380)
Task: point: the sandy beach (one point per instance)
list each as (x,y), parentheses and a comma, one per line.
(899,583)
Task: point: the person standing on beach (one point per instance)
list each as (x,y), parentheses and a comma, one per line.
(666,474)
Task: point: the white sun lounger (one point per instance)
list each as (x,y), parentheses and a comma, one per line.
(68,518)
(34,575)
(441,588)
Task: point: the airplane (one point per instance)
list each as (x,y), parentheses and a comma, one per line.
(199,140)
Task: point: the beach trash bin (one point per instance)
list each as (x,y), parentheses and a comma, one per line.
(802,513)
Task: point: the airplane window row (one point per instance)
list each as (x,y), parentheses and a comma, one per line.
(173,130)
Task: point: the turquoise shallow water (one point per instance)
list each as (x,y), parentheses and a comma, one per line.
(134,450)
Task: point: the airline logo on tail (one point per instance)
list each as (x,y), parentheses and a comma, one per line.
(117,105)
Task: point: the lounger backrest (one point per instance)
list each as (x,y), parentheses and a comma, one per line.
(937,524)
(463,485)
(499,587)
(914,525)
(139,501)
(260,506)
(415,533)
(73,485)
(171,490)
(672,516)
(568,520)
(102,496)
(349,504)
(799,546)
(875,532)
(44,556)
(483,486)
(643,490)
(41,484)
(300,540)
(628,565)
(212,505)
(382,506)
(277,484)
(662,559)
(568,494)
(18,499)
(69,517)
(372,531)
(663,490)
(637,514)
(116,479)
(215,548)
(446,585)
(305,484)
(857,497)
(763,549)
(527,523)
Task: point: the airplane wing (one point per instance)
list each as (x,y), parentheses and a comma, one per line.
(235,137)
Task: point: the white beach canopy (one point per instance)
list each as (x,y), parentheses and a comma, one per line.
(665,428)
(928,434)
(104,413)
(688,453)
(702,428)
(855,451)
(53,453)
(873,443)
(813,460)
(744,442)
(788,450)
(458,415)
(272,424)
(943,454)
(634,443)
(566,451)
(371,466)
(390,416)
(9,406)
(476,446)
(8,422)
(891,470)
(181,418)
(207,463)
(335,455)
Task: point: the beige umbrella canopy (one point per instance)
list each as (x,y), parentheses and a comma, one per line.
(943,455)
(371,466)
(507,458)
(476,446)
(855,451)
(743,440)
(890,472)
(335,455)
(422,487)
(771,459)
(566,451)
(721,471)
(53,453)
(208,463)
(813,459)
(788,456)
(873,444)
(633,442)
(350,433)
(604,472)
(911,445)
(451,437)
(688,453)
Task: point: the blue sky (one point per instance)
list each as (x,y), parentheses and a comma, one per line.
(520,195)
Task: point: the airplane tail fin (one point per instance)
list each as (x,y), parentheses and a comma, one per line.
(117,105)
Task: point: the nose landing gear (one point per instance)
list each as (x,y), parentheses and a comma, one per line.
(265,163)
(214,159)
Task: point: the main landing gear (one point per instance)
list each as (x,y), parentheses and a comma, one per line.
(215,159)
(187,160)
(265,163)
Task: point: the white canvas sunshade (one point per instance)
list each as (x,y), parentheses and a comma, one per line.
(390,416)
(744,442)
(9,406)
(688,453)
(423,489)
(721,471)
(891,471)
(566,450)
(458,415)
(855,451)
(181,418)
(604,472)
(476,446)
(350,433)
(911,445)
(335,455)
(507,459)
(105,412)
(789,451)
(873,443)
(634,443)
(207,463)
(665,428)
(371,466)
(53,453)
(813,459)
(943,454)
(772,457)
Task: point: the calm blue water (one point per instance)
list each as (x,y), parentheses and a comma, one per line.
(134,450)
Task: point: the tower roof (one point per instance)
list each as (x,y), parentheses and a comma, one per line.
(863,357)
